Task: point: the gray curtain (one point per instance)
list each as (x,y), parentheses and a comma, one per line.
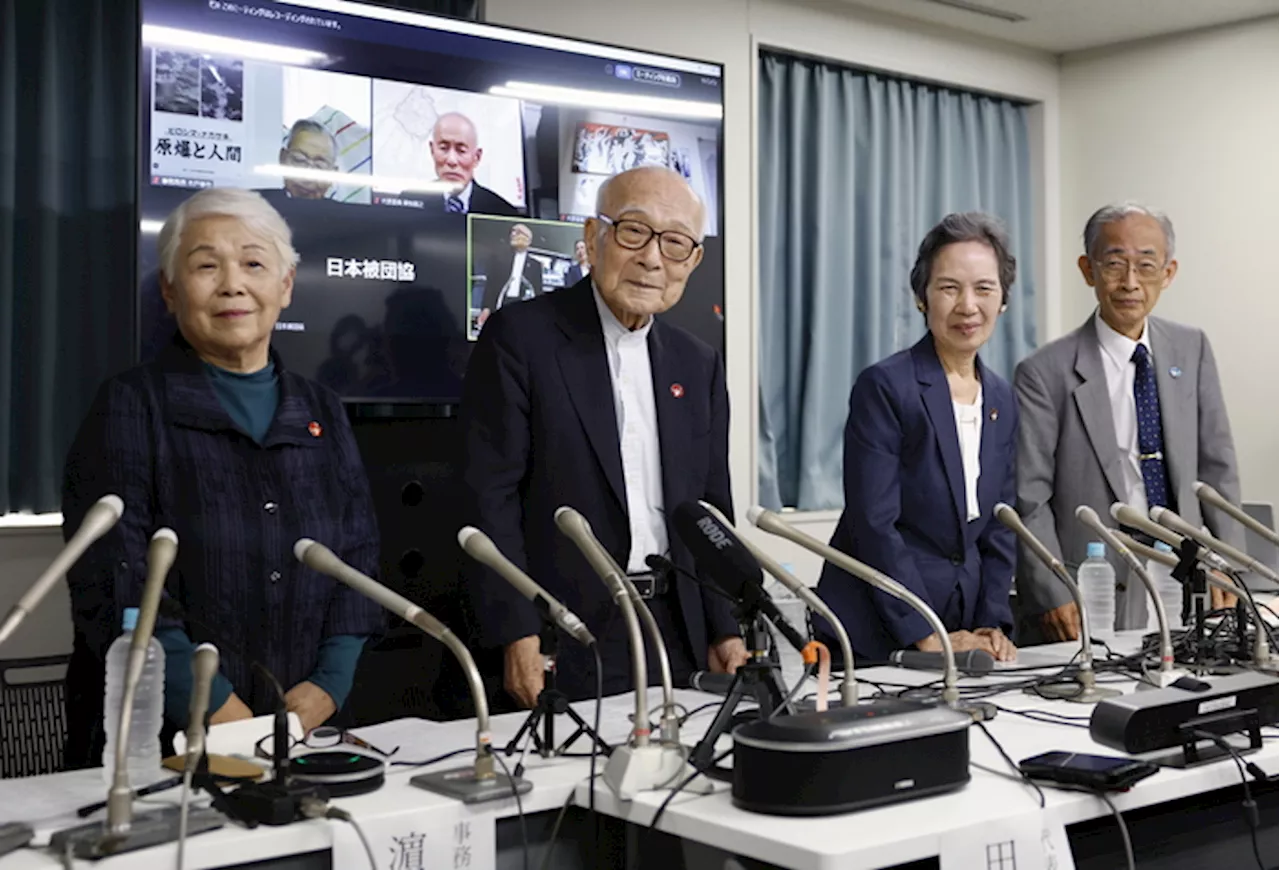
(855,167)
(68,232)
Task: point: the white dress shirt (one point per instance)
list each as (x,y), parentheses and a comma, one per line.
(511,290)
(969,428)
(632,377)
(1120,371)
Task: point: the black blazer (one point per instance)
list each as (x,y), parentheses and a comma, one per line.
(573,276)
(540,431)
(498,269)
(485,201)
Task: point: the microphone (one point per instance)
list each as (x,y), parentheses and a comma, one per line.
(1088,690)
(848,684)
(1136,519)
(575,527)
(479,783)
(712,684)
(204,665)
(480,547)
(98,520)
(640,764)
(734,569)
(974,662)
(160,558)
(1170,520)
(770,522)
(1167,674)
(1211,496)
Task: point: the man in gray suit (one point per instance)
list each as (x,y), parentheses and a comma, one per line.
(1125,408)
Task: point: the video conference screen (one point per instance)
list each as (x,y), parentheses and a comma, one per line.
(414,158)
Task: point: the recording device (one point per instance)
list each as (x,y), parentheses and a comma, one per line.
(98,520)
(470,785)
(1094,772)
(1160,719)
(1167,673)
(1172,521)
(973,662)
(1211,496)
(877,751)
(479,547)
(770,522)
(848,683)
(13,836)
(121,831)
(730,565)
(1083,688)
(640,765)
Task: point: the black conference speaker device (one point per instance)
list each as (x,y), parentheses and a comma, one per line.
(878,751)
(1164,718)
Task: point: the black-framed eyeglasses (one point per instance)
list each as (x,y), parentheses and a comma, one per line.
(634,235)
(324,737)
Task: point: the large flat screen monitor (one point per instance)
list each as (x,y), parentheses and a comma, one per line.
(409,154)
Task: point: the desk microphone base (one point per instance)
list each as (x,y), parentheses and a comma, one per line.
(633,769)
(462,784)
(1160,679)
(1073,691)
(92,841)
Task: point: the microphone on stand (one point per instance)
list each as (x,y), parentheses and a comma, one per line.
(1211,496)
(204,666)
(848,684)
(480,547)
(768,521)
(1172,521)
(973,662)
(1137,520)
(122,832)
(640,765)
(1088,690)
(98,520)
(1167,674)
(470,785)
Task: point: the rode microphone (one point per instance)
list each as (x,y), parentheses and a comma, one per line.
(975,662)
(718,550)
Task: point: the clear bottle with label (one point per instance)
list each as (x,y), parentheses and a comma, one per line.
(143,754)
(1097,580)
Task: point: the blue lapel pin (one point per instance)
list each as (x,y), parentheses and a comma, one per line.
(1175,372)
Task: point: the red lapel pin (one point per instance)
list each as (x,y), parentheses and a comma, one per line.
(314,428)
(677,391)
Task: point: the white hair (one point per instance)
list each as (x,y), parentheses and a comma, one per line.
(1109,214)
(246,206)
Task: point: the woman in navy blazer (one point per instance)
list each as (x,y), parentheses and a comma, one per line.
(923,424)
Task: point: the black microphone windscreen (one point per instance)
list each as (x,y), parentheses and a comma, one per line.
(718,550)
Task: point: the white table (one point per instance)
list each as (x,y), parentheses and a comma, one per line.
(870,838)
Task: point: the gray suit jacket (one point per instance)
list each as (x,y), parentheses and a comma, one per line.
(1068,456)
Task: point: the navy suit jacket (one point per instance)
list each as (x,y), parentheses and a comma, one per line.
(540,432)
(905,505)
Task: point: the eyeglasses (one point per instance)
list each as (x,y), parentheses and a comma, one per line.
(324,737)
(634,235)
(1117,268)
(297,158)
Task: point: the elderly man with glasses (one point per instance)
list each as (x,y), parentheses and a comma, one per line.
(1126,408)
(309,146)
(586,397)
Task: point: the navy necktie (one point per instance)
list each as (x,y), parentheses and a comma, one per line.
(454,205)
(1146,400)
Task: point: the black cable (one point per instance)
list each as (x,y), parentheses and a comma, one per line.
(515,790)
(689,714)
(1046,717)
(1124,827)
(1250,807)
(1018,770)
(555,831)
(662,808)
(435,760)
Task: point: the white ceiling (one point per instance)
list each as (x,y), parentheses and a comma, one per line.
(1060,26)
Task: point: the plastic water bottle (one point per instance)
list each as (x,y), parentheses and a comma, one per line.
(143,757)
(795,612)
(1097,581)
(1170,591)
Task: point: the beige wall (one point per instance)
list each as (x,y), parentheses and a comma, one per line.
(1188,124)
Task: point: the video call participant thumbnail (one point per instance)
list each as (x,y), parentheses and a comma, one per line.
(456,150)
